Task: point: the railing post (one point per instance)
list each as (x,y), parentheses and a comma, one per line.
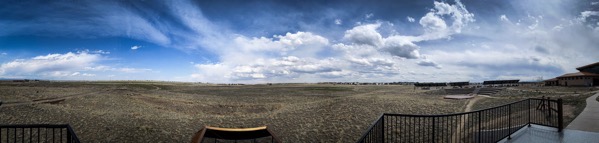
(69,139)
(383,128)
(529,112)
(479,123)
(549,109)
(560,115)
(433,131)
(509,122)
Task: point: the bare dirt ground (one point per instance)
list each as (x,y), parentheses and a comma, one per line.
(173,112)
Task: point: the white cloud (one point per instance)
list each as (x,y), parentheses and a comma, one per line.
(365,34)
(364,53)
(369,15)
(433,23)
(81,74)
(595,3)
(65,66)
(436,27)
(366,40)
(338,21)
(429,63)
(48,63)
(3,54)
(102,19)
(410,19)
(135,47)
(585,15)
(401,47)
(132,70)
(302,44)
(558,28)
(104,68)
(100,52)
(212,72)
(504,18)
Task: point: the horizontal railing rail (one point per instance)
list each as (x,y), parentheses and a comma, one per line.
(38,133)
(481,126)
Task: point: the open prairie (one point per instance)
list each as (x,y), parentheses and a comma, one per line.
(173,112)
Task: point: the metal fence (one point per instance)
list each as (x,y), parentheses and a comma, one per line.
(481,126)
(37,133)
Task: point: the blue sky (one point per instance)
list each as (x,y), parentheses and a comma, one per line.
(248,41)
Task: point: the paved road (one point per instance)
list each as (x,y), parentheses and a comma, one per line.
(588,120)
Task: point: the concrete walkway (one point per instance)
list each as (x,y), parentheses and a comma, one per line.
(588,120)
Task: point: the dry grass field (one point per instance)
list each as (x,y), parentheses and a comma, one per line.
(573,98)
(173,112)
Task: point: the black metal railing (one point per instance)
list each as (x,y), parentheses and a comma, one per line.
(481,126)
(37,133)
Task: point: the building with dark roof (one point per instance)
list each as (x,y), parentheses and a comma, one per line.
(587,75)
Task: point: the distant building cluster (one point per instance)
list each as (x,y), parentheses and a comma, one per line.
(368,83)
(26,80)
(488,83)
(586,76)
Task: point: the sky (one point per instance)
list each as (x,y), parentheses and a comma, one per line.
(250,41)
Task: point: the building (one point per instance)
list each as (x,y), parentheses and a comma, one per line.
(586,76)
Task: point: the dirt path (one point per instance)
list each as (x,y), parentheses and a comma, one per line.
(468,108)
(46,100)
(156,87)
(472,102)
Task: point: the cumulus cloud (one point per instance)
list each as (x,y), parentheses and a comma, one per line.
(530,49)
(254,58)
(365,34)
(363,53)
(104,68)
(50,63)
(285,67)
(369,15)
(586,14)
(436,27)
(338,21)
(71,64)
(429,63)
(433,23)
(504,18)
(135,47)
(301,44)
(411,19)
(401,47)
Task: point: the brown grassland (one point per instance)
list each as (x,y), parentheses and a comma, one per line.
(173,112)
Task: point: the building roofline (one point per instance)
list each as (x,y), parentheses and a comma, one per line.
(578,74)
(587,66)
